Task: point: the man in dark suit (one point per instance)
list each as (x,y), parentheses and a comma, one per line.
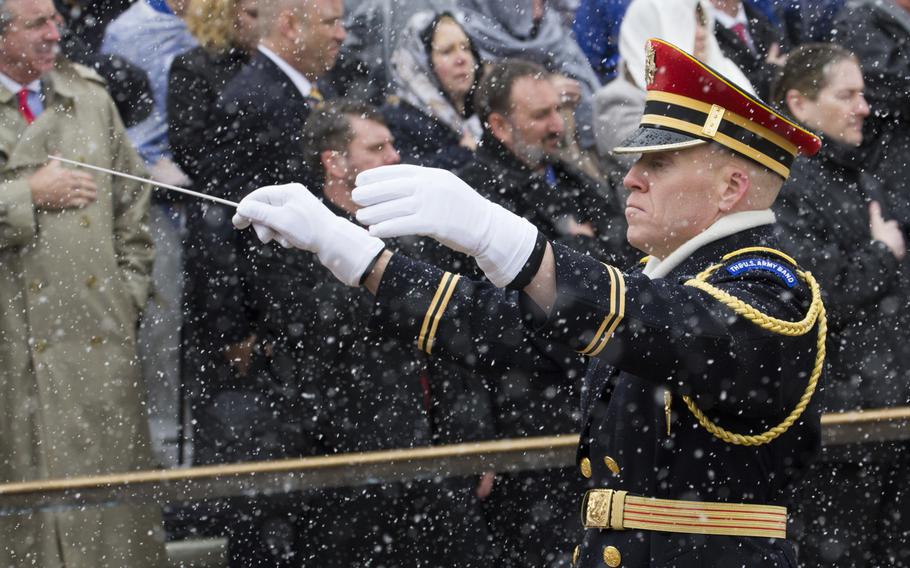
(748,39)
(276,409)
(381,394)
(260,115)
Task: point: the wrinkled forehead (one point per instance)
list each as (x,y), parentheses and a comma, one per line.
(696,161)
(323,10)
(29,11)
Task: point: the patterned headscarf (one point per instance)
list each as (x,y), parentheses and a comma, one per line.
(415,81)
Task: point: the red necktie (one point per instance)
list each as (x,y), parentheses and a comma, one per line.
(24,109)
(739,29)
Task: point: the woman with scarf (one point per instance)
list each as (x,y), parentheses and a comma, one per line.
(688,24)
(435,69)
(536,30)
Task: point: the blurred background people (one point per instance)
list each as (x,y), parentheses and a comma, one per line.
(833,217)
(685,23)
(536,31)
(751,41)
(373,28)
(227,32)
(877,32)
(382,394)
(596,29)
(128,84)
(89,18)
(259,316)
(518,166)
(150,34)
(435,70)
(212,368)
(807,21)
(77,259)
(258,119)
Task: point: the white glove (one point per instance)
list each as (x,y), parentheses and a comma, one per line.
(412,200)
(294,217)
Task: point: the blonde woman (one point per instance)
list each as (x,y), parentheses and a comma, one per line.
(227,32)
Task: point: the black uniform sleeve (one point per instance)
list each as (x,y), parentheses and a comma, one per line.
(470,322)
(667,332)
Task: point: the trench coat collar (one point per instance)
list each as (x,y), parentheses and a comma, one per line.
(54,83)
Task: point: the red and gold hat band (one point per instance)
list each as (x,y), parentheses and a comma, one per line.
(715,123)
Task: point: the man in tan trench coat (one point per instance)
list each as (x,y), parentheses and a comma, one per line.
(75,258)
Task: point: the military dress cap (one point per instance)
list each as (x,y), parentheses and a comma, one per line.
(689,104)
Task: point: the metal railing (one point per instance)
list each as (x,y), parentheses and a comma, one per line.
(273,477)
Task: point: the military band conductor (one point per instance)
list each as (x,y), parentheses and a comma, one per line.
(698,414)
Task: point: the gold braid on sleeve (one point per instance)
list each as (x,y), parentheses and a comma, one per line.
(815,314)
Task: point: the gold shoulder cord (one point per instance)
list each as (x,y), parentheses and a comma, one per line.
(793,329)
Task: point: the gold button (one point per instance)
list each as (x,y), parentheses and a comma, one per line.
(612,557)
(85,221)
(97,340)
(40,346)
(575,554)
(586,467)
(91,281)
(611,465)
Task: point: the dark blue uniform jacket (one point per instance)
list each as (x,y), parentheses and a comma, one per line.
(645,337)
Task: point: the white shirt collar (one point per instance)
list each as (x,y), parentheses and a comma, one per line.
(15,87)
(301,82)
(723,227)
(728,21)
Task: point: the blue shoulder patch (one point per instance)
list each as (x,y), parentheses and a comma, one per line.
(755,263)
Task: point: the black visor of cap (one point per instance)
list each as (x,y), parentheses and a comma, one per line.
(656,139)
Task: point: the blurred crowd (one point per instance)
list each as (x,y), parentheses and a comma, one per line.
(122,304)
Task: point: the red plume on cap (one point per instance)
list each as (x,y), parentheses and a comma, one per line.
(688,103)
